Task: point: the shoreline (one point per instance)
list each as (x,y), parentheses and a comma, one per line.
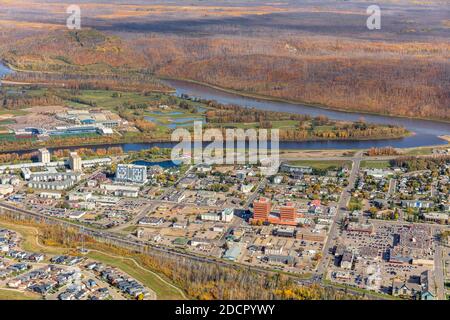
(294,102)
(137,141)
(256,96)
(245,94)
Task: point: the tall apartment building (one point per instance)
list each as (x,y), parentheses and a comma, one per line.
(44,156)
(131,173)
(75,162)
(261,209)
(287,212)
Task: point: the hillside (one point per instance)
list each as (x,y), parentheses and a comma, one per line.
(299,51)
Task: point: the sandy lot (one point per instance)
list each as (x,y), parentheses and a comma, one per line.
(42,116)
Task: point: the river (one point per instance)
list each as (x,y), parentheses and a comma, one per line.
(426,132)
(4,70)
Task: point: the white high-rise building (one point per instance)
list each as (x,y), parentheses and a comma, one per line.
(75,161)
(131,173)
(44,156)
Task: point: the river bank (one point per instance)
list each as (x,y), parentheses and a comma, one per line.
(146,144)
(422,132)
(293,102)
(425,132)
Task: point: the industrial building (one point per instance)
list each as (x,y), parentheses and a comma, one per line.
(225,215)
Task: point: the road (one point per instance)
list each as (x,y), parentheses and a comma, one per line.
(439,272)
(392,186)
(342,205)
(255,194)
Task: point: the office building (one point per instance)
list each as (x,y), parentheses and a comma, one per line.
(74,161)
(287,212)
(131,173)
(261,209)
(44,156)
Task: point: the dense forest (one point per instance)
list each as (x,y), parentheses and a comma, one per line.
(415,163)
(113,81)
(299,50)
(406,79)
(22,100)
(319,127)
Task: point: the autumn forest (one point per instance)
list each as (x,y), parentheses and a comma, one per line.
(266,50)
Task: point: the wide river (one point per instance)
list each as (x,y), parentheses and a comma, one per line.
(426,132)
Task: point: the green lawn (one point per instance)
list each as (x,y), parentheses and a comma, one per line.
(105,99)
(376,164)
(281,124)
(321,164)
(324,128)
(418,151)
(355,204)
(13,112)
(362,291)
(29,237)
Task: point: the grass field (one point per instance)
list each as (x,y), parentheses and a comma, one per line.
(163,291)
(105,99)
(13,112)
(362,291)
(29,239)
(180,118)
(418,151)
(12,137)
(17,295)
(376,164)
(321,164)
(111,99)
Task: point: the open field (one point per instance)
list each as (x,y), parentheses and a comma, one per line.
(321,164)
(6,294)
(376,164)
(30,239)
(288,154)
(162,289)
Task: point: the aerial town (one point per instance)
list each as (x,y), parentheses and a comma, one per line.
(224,156)
(365,225)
